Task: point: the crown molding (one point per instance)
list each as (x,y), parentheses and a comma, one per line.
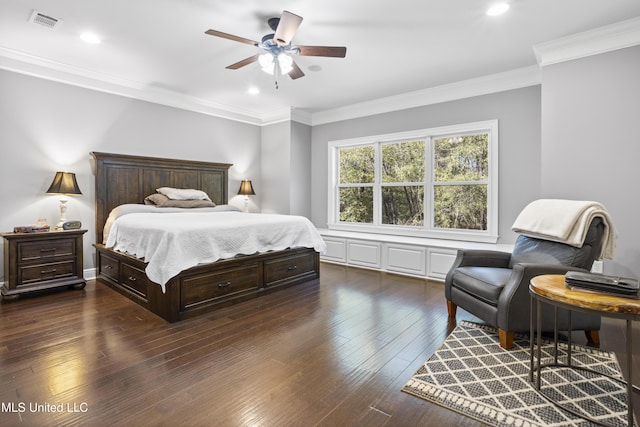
(23,63)
(288,115)
(593,42)
(514,79)
(600,40)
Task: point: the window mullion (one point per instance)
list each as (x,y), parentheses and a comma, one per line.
(377,188)
(428,187)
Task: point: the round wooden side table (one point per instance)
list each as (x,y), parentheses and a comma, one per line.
(551,289)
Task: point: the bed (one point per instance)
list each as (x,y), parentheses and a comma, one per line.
(127,180)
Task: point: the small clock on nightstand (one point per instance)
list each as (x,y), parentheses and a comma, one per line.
(39,261)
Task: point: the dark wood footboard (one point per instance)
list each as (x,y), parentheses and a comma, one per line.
(207,287)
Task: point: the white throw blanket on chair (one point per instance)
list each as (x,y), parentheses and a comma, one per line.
(565,221)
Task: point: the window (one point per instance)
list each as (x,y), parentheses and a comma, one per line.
(439,182)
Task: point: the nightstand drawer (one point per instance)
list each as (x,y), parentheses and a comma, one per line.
(45,250)
(43,272)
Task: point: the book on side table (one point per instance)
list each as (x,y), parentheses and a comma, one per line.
(610,285)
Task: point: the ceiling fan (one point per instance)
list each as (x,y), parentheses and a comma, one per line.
(276,57)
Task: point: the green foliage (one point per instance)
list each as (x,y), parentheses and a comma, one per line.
(403,205)
(459,162)
(461,158)
(356,204)
(403,162)
(357,165)
(461,207)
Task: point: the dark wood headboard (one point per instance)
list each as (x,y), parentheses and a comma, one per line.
(122,179)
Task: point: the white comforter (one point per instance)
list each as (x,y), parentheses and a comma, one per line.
(172,242)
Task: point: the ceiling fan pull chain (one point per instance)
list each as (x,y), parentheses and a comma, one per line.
(276,71)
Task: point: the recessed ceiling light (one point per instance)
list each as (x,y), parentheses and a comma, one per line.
(90,38)
(497,9)
(253,90)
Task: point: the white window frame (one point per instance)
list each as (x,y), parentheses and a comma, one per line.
(490,235)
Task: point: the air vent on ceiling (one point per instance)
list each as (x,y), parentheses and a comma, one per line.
(44,20)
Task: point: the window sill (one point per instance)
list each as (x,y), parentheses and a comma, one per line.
(414,240)
(409,232)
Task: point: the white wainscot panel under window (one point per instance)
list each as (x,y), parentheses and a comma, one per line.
(406,259)
(336,249)
(364,253)
(439,262)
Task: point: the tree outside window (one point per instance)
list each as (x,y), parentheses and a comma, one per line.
(461,174)
(403,167)
(422,183)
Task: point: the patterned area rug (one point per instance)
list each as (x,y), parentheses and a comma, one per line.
(472,375)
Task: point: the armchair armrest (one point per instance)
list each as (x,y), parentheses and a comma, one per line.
(481,258)
(476,258)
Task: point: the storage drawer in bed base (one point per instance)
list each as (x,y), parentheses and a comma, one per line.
(207,287)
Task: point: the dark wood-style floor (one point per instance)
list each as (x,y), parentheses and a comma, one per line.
(331,353)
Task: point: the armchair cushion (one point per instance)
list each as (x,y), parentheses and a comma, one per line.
(483,283)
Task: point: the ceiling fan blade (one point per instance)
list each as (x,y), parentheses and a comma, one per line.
(231,37)
(332,51)
(287,27)
(244,62)
(296,72)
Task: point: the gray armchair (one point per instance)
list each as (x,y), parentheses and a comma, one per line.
(494,286)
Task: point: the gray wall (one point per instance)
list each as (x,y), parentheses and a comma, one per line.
(275,148)
(570,137)
(518,114)
(300,162)
(286,168)
(590,144)
(47,126)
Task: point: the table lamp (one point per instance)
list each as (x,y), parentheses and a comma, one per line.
(246,190)
(64,183)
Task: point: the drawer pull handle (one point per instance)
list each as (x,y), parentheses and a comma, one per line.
(48,250)
(53,270)
(108,267)
(224,285)
(131,279)
(293,267)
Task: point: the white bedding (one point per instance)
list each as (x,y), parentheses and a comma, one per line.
(175,241)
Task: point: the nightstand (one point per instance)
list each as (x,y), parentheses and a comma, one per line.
(39,261)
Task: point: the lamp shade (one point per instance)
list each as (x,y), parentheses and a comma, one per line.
(246,189)
(64,183)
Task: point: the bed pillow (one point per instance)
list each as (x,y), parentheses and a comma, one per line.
(183,193)
(161,200)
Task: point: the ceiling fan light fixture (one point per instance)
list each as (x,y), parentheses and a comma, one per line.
(266,62)
(285,62)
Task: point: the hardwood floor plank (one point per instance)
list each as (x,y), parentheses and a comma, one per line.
(332,352)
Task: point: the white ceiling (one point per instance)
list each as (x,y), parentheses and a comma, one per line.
(158,49)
